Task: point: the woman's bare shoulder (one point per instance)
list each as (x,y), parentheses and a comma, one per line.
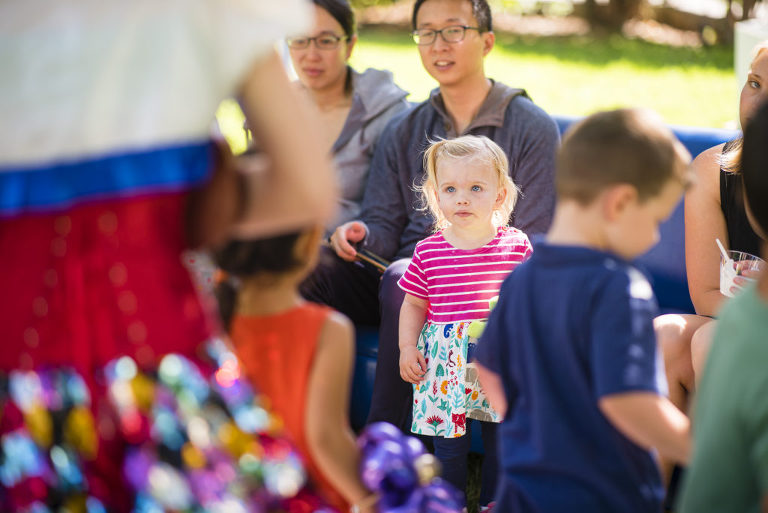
(708,159)
(706,168)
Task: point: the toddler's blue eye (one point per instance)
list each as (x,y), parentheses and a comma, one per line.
(450,188)
(476,188)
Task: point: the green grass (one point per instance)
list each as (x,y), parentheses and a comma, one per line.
(579,75)
(569,76)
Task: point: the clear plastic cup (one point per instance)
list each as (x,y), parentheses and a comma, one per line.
(736,265)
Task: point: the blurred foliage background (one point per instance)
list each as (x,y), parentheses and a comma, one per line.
(577,75)
(568,65)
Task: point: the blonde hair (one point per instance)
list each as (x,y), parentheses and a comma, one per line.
(468,148)
(730,160)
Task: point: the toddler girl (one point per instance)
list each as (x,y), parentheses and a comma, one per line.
(298,354)
(449,283)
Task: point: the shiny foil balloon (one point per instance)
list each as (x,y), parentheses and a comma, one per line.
(436,497)
(399,470)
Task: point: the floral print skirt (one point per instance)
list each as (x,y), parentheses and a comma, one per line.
(449,394)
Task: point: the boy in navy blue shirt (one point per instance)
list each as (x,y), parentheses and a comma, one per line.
(569,356)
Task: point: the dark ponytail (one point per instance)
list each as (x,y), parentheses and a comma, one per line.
(240,259)
(226,298)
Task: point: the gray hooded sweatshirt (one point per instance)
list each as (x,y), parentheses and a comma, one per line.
(375,100)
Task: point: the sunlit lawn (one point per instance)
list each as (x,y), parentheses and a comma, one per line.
(578,75)
(572,75)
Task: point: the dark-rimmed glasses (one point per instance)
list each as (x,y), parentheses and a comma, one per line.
(450,34)
(322,42)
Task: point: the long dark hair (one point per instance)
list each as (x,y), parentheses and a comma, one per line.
(240,259)
(754,167)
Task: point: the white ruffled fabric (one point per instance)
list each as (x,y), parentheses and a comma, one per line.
(86,78)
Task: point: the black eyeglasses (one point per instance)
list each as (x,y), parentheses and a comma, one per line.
(450,34)
(322,42)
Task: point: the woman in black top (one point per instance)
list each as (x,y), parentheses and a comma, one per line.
(714,209)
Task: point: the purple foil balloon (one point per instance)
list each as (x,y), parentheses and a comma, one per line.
(413,447)
(377,433)
(441,497)
(389,468)
(436,497)
(386,465)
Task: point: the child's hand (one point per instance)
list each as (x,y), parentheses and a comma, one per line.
(413,366)
(346,235)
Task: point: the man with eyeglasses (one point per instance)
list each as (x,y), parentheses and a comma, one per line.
(453,37)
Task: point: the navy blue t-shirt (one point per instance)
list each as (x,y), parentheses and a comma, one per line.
(572,325)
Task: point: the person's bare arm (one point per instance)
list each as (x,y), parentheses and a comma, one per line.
(329,437)
(300,187)
(704,222)
(651,421)
(493,389)
(413,366)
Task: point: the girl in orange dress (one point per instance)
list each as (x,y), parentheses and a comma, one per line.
(298,354)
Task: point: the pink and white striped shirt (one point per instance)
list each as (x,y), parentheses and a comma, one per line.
(458,283)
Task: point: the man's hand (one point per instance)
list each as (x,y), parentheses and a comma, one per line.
(345,236)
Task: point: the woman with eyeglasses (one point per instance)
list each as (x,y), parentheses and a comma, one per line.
(353,107)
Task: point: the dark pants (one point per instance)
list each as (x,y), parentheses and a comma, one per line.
(366,297)
(392,398)
(452,453)
(352,288)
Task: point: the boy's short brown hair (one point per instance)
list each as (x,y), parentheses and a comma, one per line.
(631,146)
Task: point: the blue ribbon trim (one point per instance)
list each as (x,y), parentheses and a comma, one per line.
(63,185)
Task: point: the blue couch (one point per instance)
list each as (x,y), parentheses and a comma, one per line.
(665,263)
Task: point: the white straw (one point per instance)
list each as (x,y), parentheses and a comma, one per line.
(722,249)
